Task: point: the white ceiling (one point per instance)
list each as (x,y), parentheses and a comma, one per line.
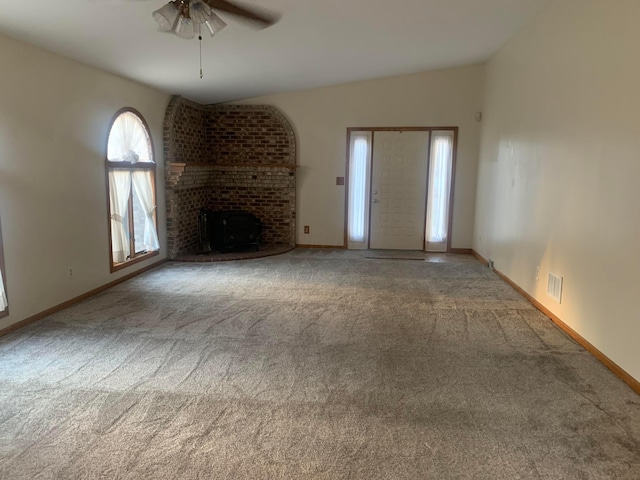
(315,43)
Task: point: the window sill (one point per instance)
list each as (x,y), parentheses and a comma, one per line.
(140,258)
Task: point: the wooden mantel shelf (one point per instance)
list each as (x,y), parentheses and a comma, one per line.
(182,165)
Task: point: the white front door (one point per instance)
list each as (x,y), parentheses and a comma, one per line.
(398,190)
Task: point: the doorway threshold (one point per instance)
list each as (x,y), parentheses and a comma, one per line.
(416,255)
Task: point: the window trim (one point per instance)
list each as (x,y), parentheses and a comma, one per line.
(4,313)
(146,166)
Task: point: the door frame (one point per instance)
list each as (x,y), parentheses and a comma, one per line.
(403,129)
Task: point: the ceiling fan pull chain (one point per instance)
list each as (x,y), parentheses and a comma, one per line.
(200,42)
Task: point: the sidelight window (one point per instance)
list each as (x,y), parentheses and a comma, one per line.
(439,191)
(359,178)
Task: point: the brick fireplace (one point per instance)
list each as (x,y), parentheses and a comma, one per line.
(228,157)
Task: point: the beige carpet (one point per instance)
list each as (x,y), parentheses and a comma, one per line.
(310,365)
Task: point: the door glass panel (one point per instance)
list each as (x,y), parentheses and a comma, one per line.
(358,203)
(439,190)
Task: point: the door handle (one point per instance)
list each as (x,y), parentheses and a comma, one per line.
(375,200)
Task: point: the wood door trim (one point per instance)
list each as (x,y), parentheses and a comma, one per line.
(454,156)
(373,142)
(346,191)
(426,194)
(455,131)
(397,129)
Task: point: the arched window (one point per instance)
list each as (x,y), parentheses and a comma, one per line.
(132,196)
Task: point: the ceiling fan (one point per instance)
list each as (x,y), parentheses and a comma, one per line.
(188,18)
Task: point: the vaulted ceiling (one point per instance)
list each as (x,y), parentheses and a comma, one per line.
(315,43)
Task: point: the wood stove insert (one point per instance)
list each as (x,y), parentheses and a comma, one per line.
(229,230)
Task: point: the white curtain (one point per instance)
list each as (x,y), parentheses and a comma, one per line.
(4,303)
(119,192)
(128,140)
(358,187)
(439,189)
(143,188)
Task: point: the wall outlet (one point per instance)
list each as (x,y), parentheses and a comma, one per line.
(537,273)
(306,229)
(70,273)
(490,264)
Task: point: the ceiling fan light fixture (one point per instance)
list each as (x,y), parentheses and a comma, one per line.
(199,11)
(166,16)
(215,24)
(185,28)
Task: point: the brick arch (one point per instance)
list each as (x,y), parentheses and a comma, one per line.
(252,134)
(228,157)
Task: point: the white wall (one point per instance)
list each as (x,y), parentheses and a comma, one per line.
(559,177)
(54,120)
(321,117)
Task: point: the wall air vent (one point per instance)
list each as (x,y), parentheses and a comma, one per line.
(554,287)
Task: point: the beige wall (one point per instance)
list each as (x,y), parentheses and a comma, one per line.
(54,117)
(321,117)
(559,176)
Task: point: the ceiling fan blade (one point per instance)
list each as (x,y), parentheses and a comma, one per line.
(261,18)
